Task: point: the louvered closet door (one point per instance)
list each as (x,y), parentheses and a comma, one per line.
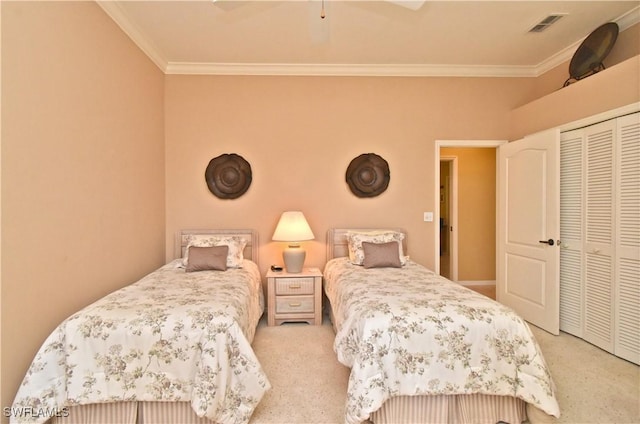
(599,210)
(627,343)
(571,229)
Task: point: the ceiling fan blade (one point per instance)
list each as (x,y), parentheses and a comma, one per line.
(409,4)
(228,5)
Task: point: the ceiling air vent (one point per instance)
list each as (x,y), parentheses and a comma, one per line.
(547,22)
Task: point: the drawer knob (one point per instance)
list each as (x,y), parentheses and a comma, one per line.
(294,286)
(295,304)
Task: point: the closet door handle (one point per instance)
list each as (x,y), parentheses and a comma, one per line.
(550,242)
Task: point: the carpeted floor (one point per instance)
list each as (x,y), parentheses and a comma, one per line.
(309,384)
(593,386)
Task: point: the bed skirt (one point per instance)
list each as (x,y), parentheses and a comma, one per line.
(455,408)
(132,413)
(403,409)
(478,409)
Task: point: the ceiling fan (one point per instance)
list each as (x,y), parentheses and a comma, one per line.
(409,4)
(318,28)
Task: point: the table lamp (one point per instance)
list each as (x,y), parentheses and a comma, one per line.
(293,228)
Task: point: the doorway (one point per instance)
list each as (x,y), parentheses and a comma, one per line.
(449,242)
(448,217)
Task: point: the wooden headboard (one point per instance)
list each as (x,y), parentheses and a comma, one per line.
(338,246)
(251,236)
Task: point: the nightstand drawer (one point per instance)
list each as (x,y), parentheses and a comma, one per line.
(294,304)
(302,285)
(294,297)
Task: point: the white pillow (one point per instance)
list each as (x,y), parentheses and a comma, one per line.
(355,239)
(236,247)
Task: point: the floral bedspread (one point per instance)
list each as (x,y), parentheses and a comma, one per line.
(408,331)
(171,336)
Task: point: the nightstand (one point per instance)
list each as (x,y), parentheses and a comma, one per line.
(294,297)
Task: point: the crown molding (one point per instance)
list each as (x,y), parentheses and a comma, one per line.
(116,13)
(557,59)
(625,21)
(628,19)
(377,70)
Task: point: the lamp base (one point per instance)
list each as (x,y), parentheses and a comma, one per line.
(294,258)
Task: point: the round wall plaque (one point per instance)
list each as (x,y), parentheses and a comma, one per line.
(368,175)
(228,176)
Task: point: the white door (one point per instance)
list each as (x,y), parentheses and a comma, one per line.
(627,276)
(528,228)
(572,188)
(599,197)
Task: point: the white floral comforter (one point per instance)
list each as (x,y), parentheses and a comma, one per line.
(171,336)
(408,331)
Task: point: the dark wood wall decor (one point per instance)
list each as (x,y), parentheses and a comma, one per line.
(368,175)
(228,176)
(589,57)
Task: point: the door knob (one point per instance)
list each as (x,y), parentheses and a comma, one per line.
(550,242)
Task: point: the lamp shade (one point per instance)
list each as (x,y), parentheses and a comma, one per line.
(292,227)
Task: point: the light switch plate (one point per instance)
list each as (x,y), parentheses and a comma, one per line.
(428,217)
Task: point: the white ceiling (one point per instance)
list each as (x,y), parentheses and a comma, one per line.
(452,38)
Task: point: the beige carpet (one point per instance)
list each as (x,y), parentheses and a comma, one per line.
(593,386)
(309,384)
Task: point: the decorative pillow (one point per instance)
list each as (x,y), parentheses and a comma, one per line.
(207,258)
(236,247)
(381,255)
(355,240)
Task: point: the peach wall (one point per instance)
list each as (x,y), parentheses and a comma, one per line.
(85,181)
(299,135)
(627,46)
(2,397)
(476,212)
(612,88)
(82,169)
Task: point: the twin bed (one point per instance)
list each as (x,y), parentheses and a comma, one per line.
(423,349)
(175,347)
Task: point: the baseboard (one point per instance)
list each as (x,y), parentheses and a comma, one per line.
(477,282)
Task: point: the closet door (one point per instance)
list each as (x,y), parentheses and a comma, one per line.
(598,246)
(571,230)
(627,342)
